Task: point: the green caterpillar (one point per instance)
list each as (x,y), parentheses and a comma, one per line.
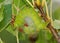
(31,18)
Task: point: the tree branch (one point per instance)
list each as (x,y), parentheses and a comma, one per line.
(46,19)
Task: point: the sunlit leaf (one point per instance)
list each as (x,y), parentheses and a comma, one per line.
(56,24)
(1,13)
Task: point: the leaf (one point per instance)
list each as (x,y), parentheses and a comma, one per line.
(6,2)
(11,30)
(41,38)
(7,13)
(7,37)
(52,40)
(56,24)
(1,1)
(44,36)
(23,38)
(56,14)
(21,3)
(48,35)
(1,41)
(1,12)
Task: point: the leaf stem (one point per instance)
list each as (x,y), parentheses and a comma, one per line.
(51,12)
(46,9)
(1,41)
(17,36)
(30,3)
(17,31)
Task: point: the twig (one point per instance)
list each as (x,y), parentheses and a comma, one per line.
(1,41)
(46,9)
(17,8)
(30,3)
(51,12)
(17,28)
(17,35)
(46,19)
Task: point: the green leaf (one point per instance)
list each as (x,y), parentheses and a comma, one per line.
(41,38)
(21,3)
(23,38)
(7,13)
(56,14)
(7,37)
(48,35)
(1,1)
(52,40)
(56,24)
(1,13)
(44,36)
(11,30)
(1,41)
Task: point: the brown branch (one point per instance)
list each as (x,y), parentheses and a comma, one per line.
(51,28)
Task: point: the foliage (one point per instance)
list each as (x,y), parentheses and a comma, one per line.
(25,21)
